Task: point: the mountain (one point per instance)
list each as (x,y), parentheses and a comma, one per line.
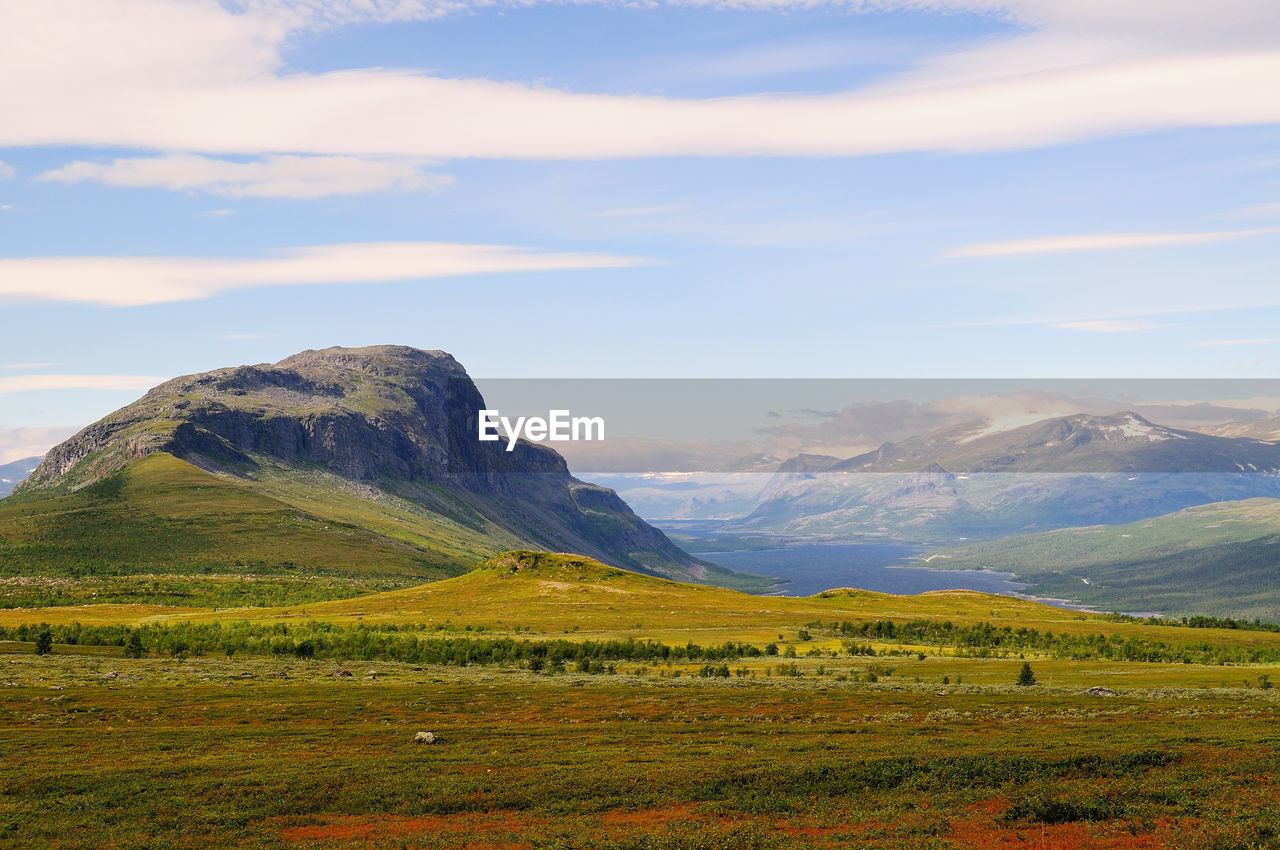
(970,482)
(11,474)
(1123,442)
(1221,559)
(342,461)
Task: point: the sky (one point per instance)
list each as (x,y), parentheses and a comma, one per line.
(750,188)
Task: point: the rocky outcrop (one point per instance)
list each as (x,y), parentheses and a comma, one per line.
(394,419)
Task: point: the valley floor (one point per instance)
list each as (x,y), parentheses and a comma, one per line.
(168,752)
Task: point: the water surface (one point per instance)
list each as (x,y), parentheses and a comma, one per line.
(812,568)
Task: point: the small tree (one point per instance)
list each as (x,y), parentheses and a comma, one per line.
(133,646)
(44,641)
(1025,677)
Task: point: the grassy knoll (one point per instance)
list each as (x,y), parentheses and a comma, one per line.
(529,593)
(269,752)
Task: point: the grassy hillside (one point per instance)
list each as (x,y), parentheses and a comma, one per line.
(163,530)
(1221,559)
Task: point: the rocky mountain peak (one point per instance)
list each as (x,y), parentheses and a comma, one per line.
(386,420)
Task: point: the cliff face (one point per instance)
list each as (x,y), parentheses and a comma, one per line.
(387,419)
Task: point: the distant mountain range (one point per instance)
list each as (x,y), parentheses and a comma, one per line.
(364,459)
(974,481)
(1124,442)
(12,474)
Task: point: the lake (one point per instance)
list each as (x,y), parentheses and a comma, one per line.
(813,568)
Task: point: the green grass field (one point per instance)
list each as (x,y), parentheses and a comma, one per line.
(256,752)
(819,726)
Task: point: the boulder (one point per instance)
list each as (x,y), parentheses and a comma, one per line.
(424,738)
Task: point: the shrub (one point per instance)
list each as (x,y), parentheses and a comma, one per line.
(133,646)
(44,641)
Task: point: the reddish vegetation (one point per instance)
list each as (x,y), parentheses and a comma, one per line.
(505,827)
(675,813)
(1065,836)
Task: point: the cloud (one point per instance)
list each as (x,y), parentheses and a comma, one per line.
(12,366)
(794,56)
(18,443)
(7,171)
(1230,342)
(633,212)
(1260,209)
(270,177)
(131,281)
(29,383)
(1108,326)
(198,78)
(1089,242)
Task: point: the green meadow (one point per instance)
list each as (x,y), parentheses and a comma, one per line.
(164,752)
(578,705)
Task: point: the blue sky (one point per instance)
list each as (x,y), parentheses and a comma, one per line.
(958,188)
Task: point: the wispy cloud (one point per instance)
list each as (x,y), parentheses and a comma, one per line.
(13,366)
(129,281)
(1260,209)
(1108,326)
(1088,242)
(270,177)
(633,212)
(1231,342)
(7,171)
(794,56)
(28,383)
(196,77)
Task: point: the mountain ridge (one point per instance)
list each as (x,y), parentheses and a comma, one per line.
(1081,442)
(964,482)
(1218,559)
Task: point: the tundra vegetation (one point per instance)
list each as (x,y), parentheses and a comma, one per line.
(575,704)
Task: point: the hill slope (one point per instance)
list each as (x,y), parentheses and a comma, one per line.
(525,593)
(1221,559)
(379,440)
